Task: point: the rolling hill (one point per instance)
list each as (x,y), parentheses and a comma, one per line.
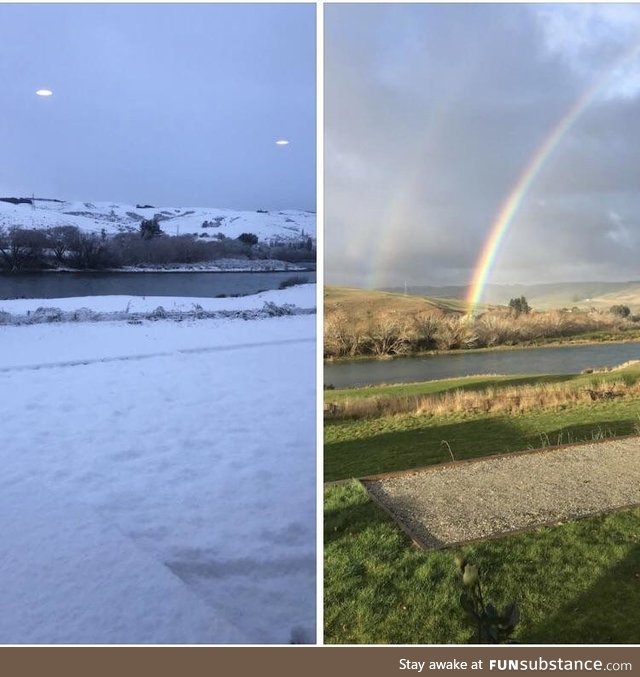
(270,227)
(546,296)
(356,302)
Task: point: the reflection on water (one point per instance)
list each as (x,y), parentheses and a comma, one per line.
(560,360)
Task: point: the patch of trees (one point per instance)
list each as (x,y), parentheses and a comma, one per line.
(248,238)
(519,306)
(17,200)
(150,228)
(214,223)
(20,247)
(23,249)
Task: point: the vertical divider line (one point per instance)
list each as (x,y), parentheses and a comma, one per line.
(319,319)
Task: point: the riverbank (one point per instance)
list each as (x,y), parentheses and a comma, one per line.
(291,301)
(379,325)
(630,336)
(554,360)
(217,266)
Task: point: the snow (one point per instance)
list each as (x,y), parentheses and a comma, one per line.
(115,217)
(158,480)
(97,573)
(302,296)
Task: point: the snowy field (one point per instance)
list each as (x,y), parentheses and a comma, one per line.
(158,480)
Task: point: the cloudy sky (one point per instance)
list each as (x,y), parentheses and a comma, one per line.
(432,113)
(166,104)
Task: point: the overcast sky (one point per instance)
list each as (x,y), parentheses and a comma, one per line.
(166,104)
(433,111)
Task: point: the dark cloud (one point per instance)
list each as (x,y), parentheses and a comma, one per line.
(434,111)
(162,103)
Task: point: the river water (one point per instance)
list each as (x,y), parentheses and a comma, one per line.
(557,360)
(207,285)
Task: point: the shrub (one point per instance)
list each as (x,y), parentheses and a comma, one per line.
(292,281)
(492,627)
(620,310)
(248,238)
(149,228)
(519,306)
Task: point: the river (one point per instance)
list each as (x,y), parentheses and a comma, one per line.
(556,360)
(200,284)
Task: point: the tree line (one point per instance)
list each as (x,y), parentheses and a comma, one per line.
(24,249)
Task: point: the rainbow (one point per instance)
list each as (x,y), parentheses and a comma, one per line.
(398,218)
(514,200)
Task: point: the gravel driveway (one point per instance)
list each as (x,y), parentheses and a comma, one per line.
(459,502)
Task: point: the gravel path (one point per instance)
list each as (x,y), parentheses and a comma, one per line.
(461,502)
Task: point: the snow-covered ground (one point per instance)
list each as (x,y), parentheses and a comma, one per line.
(302,296)
(158,480)
(114,217)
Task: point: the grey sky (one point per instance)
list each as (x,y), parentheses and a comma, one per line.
(168,104)
(433,111)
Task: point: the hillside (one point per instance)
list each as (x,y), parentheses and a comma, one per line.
(270,227)
(547,296)
(357,303)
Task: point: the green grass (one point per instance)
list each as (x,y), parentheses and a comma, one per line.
(574,583)
(475,383)
(355,448)
(370,446)
(440,386)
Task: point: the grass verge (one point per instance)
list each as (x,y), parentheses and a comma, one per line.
(371,445)
(574,583)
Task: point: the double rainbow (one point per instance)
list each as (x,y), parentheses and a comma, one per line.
(509,208)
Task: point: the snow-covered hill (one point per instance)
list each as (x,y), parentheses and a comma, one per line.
(270,227)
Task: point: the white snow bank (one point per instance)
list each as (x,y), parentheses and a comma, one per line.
(302,296)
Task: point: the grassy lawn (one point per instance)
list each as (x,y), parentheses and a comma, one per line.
(371,446)
(359,447)
(574,583)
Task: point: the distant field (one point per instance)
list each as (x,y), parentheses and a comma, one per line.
(627,297)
